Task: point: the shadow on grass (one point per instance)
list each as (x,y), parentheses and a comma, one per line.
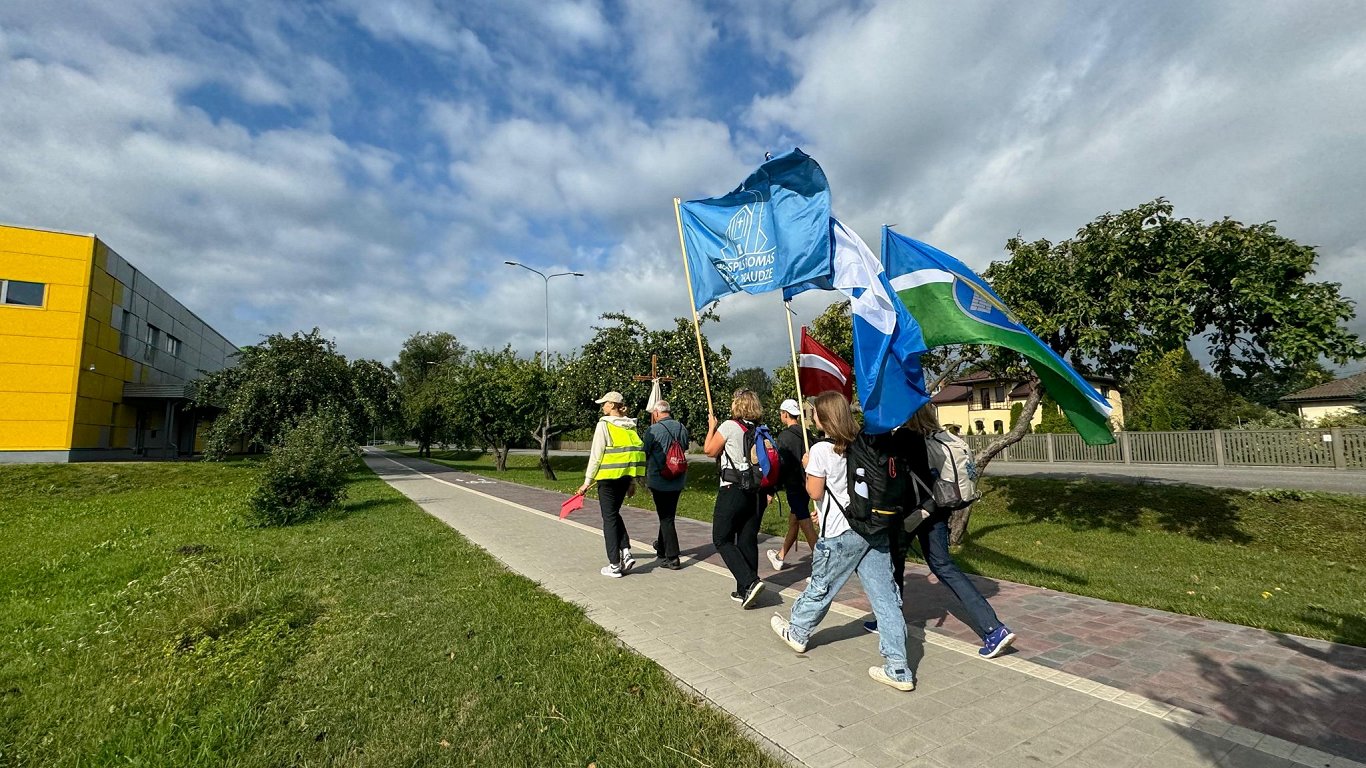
(1346,629)
(1205,514)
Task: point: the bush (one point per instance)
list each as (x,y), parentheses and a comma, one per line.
(305,474)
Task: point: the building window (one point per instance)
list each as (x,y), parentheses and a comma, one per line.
(153,340)
(981,428)
(984,397)
(22,294)
(998,426)
(172,345)
(1000,394)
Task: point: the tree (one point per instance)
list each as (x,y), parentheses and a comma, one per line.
(283,379)
(422,362)
(1131,287)
(756,379)
(494,398)
(622,350)
(380,403)
(1176,394)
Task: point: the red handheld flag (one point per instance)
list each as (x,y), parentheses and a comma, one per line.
(574,503)
(820,370)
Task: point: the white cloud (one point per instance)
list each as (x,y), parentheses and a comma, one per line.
(375,206)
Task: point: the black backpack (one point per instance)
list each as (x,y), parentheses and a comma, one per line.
(878,481)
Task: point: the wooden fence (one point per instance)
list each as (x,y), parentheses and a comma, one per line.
(1336,448)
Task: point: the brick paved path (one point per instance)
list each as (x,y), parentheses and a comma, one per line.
(1243,696)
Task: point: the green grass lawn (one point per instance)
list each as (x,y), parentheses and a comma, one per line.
(1284,561)
(140,625)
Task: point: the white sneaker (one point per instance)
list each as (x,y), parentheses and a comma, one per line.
(774,560)
(906,684)
(611,571)
(781,628)
(627,562)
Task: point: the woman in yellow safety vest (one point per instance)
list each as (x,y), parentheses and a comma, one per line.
(616,459)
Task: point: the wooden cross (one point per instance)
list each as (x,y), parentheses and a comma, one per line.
(654,372)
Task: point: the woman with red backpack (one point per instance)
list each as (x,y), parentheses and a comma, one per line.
(739,501)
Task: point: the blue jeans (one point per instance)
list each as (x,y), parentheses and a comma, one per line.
(933,536)
(833,562)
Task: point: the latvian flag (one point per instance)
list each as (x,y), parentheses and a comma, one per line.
(820,370)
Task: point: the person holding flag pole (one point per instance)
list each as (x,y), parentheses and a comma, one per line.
(770,232)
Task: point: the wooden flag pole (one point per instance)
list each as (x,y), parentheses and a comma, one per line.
(797,375)
(692,304)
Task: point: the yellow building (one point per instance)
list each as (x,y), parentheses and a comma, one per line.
(1342,397)
(94,356)
(981,403)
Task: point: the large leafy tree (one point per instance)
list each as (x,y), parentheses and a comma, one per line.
(1176,393)
(424,365)
(1132,287)
(285,378)
(620,350)
(494,399)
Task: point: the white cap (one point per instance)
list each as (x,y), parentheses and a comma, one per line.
(791,408)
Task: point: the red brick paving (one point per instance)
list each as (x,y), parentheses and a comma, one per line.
(1303,690)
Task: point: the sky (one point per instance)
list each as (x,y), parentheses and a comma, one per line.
(367,166)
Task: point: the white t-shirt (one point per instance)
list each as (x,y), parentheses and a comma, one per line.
(733,457)
(824,462)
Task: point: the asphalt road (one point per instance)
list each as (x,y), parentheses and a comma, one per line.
(1329,480)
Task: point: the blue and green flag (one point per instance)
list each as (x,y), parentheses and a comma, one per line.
(956,306)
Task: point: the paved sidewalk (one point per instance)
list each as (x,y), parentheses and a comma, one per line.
(1091,684)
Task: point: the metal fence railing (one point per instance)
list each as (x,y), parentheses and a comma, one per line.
(1335,448)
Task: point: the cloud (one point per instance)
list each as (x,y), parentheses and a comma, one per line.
(367,167)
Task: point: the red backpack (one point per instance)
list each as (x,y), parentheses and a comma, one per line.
(675,460)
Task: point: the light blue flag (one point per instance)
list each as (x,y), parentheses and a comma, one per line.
(954,305)
(771,232)
(887,339)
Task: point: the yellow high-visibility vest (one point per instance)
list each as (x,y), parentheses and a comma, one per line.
(624,456)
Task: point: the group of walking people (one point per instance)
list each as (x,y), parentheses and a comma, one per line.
(814,483)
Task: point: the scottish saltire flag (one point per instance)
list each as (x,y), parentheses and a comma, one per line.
(956,306)
(887,339)
(771,232)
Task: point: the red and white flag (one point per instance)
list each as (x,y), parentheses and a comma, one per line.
(820,370)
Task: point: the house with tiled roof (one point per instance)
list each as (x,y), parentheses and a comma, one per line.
(1336,398)
(981,402)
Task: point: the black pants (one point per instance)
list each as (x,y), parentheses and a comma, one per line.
(898,540)
(666,505)
(611,495)
(735,532)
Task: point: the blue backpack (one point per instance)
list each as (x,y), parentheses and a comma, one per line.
(762,452)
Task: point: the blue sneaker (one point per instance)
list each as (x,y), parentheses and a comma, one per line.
(871,626)
(997,642)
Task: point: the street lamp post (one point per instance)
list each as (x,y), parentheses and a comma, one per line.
(545,362)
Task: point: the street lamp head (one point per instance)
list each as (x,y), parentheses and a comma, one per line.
(512,264)
(577,274)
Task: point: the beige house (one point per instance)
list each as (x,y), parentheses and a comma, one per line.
(981,402)
(1335,398)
